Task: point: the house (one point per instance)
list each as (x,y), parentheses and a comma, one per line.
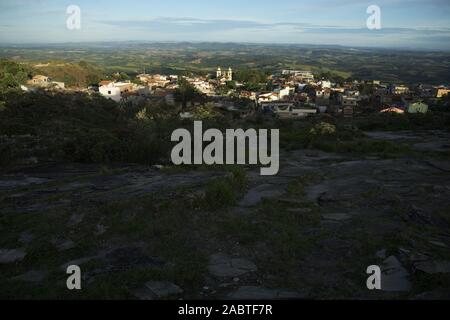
(45,82)
(306,76)
(323,93)
(202,86)
(40,81)
(442,92)
(348,101)
(287,110)
(267,97)
(154,81)
(398,90)
(247,95)
(104,83)
(284,92)
(325,84)
(426,91)
(418,107)
(393,110)
(116,90)
(271,107)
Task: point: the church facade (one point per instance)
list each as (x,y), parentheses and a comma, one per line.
(224,75)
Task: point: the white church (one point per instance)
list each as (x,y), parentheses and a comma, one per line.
(224,76)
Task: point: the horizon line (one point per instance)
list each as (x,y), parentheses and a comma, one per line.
(24,44)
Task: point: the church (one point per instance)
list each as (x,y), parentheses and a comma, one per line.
(224,75)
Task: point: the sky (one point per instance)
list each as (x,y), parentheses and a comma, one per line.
(413,24)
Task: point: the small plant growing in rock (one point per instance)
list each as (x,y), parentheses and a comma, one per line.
(323,128)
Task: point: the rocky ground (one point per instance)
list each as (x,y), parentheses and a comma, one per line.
(308,233)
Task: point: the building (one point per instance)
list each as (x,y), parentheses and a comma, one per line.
(418,107)
(104,83)
(247,95)
(45,82)
(306,76)
(224,76)
(39,80)
(323,94)
(116,90)
(442,92)
(399,90)
(348,101)
(325,84)
(154,81)
(284,92)
(268,97)
(393,110)
(287,110)
(202,86)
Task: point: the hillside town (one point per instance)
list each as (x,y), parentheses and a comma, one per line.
(293,94)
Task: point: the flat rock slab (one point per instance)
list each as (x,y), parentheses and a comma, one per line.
(440,165)
(31,276)
(79,262)
(433,267)
(257,194)
(26,237)
(261,293)
(394,276)
(439,294)
(75,219)
(74,186)
(221,265)
(63,245)
(11,182)
(336,217)
(299,210)
(158,290)
(10,256)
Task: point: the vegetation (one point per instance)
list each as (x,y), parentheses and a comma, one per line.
(186,93)
(12,75)
(251,62)
(81,128)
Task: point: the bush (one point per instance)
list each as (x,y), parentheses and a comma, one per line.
(219,193)
(224,192)
(323,128)
(93,145)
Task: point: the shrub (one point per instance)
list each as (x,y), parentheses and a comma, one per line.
(93,145)
(323,128)
(219,193)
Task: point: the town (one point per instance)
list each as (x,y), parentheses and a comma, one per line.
(287,94)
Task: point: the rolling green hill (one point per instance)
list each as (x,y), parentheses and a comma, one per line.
(410,67)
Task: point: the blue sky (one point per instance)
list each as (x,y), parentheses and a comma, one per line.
(417,24)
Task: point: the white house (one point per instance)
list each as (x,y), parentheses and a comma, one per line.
(115,90)
(267,97)
(284,92)
(325,84)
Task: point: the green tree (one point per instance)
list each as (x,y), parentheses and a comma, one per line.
(12,75)
(186,93)
(231,84)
